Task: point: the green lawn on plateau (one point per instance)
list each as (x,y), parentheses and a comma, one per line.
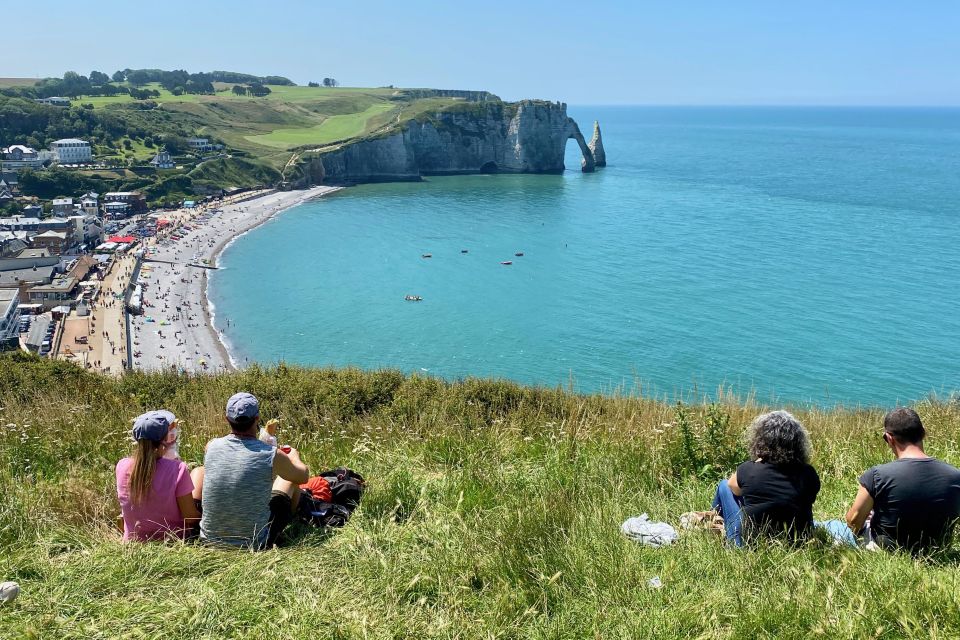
(332,129)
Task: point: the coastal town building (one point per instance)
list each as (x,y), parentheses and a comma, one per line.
(62,206)
(202,145)
(86,230)
(27,277)
(9,176)
(34,257)
(90,204)
(28,267)
(55,224)
(20,223)
(13,242)
(135,201)
(54,241)
(19,156)
(38,340)
(9,320)
(63,290)
(116,210)
(163,160)
(32,211)
(56,101)
(71,151)
(6,193)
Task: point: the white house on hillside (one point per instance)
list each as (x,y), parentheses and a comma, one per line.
(71,151)
(203,145)
(56,101)
(163,160)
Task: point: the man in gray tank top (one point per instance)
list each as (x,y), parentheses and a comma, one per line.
(915,499)
(248,489)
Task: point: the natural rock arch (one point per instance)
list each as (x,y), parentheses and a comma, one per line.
(587,164)
(529,136)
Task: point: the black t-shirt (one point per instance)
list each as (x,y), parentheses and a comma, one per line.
(777,498)
(916,502)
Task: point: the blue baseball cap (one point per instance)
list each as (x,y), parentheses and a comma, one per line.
(152,425)
(242,405)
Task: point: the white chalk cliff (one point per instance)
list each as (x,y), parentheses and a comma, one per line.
(488,136)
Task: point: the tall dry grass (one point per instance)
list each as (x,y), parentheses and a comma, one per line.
(493,511)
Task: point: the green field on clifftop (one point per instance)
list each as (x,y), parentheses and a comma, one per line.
(265,133)
(493,511)
(332,129)
(286,118)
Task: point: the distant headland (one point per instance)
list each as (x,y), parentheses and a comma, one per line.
(484,135)
(173,135)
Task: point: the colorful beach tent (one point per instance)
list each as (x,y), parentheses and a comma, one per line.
(122,239)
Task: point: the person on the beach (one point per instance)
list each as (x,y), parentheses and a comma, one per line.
(915,499)
(772,494)
(155,492)
(242,504)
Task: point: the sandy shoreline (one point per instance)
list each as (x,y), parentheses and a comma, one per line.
(176,329)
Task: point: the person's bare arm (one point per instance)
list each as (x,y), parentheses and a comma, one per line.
(290,467)
(188,509)
(857,515)
(734,485)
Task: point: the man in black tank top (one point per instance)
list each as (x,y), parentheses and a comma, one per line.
(915,499)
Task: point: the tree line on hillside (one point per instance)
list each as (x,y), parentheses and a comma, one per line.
(255,89)
(177,82)
(327,82)
(23,121)
(194,82)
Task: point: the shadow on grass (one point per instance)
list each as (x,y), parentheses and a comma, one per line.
(299,534)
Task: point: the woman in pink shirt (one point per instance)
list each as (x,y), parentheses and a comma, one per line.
(155,492)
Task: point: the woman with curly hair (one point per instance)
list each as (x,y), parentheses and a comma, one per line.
(773,493)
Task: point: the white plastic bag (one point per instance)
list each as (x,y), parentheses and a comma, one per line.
(654,534)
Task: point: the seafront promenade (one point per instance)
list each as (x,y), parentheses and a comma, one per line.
(98,340)
(174,327)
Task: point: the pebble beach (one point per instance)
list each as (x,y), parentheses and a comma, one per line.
(176,329)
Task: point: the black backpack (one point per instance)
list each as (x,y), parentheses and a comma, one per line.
(347,487)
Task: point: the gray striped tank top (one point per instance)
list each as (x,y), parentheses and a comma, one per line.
(238,479)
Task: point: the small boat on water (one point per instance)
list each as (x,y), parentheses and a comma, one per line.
(427,255)
(507,262)
(413,298)
(464,250)
(519,254)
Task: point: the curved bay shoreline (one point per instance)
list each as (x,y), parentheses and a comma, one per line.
(178,327)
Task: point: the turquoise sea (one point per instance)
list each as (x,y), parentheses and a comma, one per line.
(801,254)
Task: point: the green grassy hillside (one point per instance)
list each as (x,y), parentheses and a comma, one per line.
(493,511)
(265,131)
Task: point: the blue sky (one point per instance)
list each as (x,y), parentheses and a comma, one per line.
(617,52)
